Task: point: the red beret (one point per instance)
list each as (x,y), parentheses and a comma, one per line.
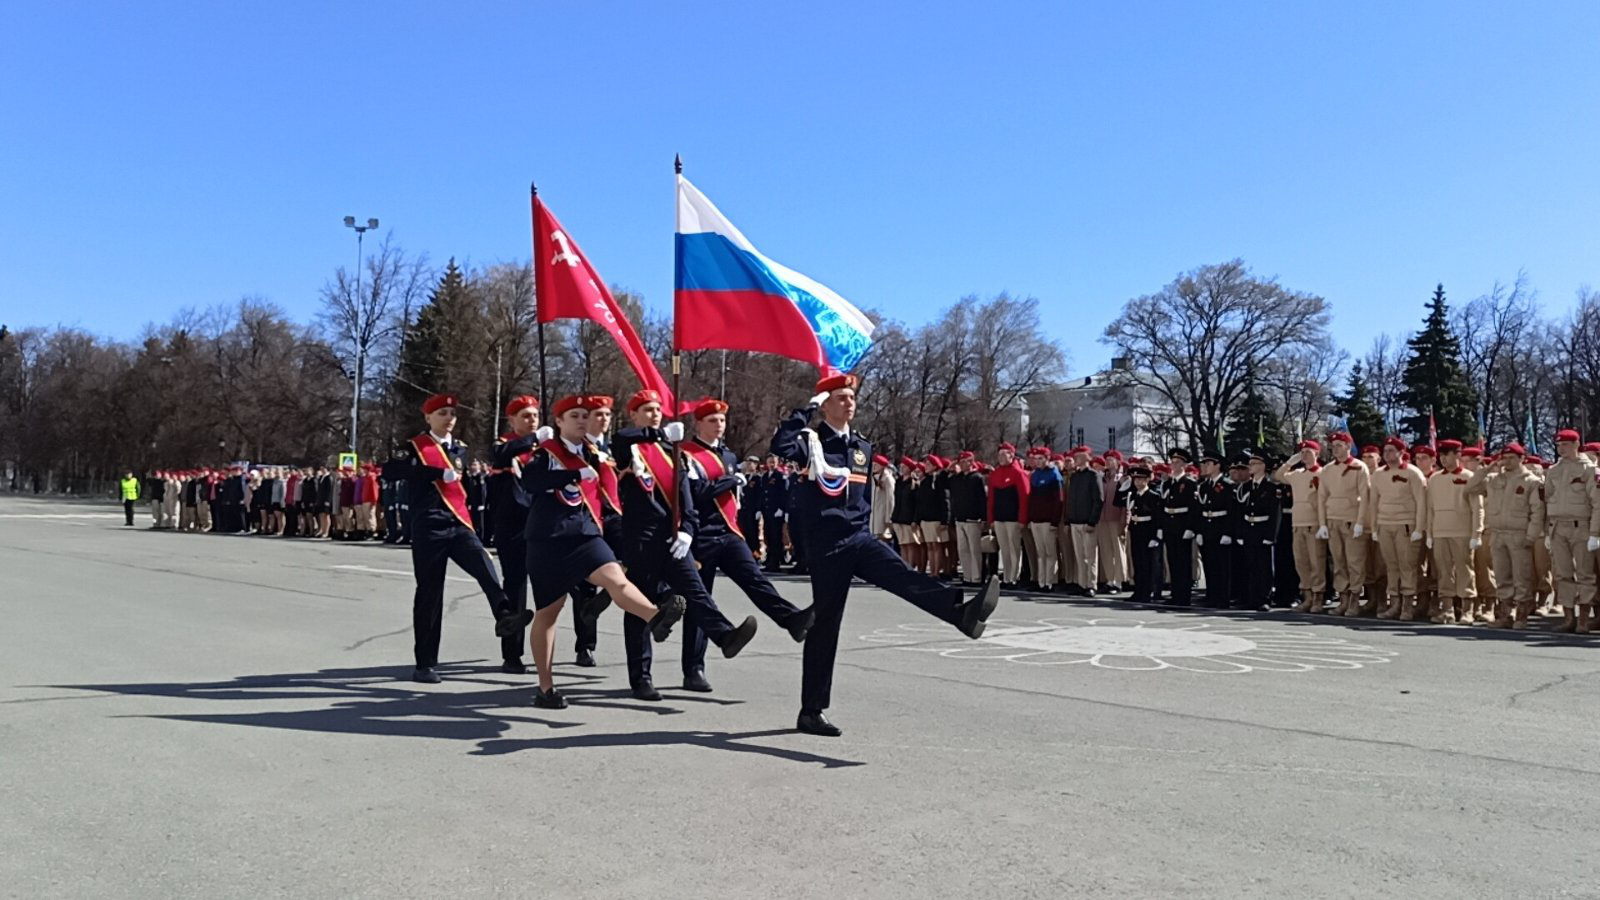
(593,402)
(1192,470)
(710,406)
(1341,436)
(1098,462)
(1370,449)
(838,382)
(966,454)
(438,402)
(1592,447)
(1449,445)
(1162,469)
(1058,457)
(1422,450)
(880,460)
(1310,445)
(908,462)
(1471,451)
(641,398)
(1082,449)
(1114,454)
(1513,447)
(1395,442)
(1038,451)
(1535,459)
(569,402)
(518,404)
(933,462)
(1007,445)
(1568,434)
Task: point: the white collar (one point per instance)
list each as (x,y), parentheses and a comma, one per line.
(842,432)
(577,448)
(445,440)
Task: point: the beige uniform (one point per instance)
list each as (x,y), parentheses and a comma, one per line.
(1454,519)
(1305,517)
(1572,513)
(1398,500)
(1513,505)
(1342,504)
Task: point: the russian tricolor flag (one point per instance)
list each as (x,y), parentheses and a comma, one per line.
(729,296)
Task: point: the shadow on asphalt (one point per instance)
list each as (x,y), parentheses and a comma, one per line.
(377,700)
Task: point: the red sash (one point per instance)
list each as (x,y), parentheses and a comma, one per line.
(711,461)
(586,493)
(662,472)
(608,487)
(453,494)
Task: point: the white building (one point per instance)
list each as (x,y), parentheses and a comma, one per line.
(1094,410)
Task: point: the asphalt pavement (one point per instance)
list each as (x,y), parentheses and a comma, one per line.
(227,716)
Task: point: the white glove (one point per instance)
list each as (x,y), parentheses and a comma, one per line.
(1267,543)
(1187,534)
(1547,542)
(544,433)
(516,468)
(817,400)
(450,474)
(739,479)
(1322,533)
(1356,531)
(778,514)
(673,431)
(1226,540)
(1160,533)
(1416,536)
(1474,543)
(1199,540)
(1155,543)
(680,545)
(1124,484)
(1594,544)
(587,473)
(691,472)
(1430,542)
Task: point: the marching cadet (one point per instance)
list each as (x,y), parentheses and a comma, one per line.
(968,505)
(1260,508)
(1453,518)
(718,545)
(1399,502)
(1180,518)
(565,547)
(586,614)
(658,526)
(508,514)
(441,531)
(1213,499)
(834,521)
(1482,612)
(1572,513)
(1342,497)
(1143,504)
(774,509)
(1008,511)
(1310,553)
(1514,510)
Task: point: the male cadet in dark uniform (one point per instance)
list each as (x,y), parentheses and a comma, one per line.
(508,512)
(1238,474)
(798,497)
(1262,508)
(1144,505)
(835,520)
(1214,501)
(1180,522)
(395,486)
(658,525)
(774,507)
(441,530)
(750,505)
(715,480)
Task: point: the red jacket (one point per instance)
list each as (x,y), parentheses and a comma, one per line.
(1010,478)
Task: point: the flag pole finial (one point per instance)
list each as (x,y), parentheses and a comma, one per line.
(533,188)
(677,163)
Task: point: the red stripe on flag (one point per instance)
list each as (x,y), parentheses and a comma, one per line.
(745,320)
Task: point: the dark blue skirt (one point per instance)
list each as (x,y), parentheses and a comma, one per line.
(557,566)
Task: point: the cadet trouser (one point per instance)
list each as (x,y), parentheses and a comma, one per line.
(1111,543)
(1030,553)
(969,550)
(1349,557)
(1067,557)
(1427,572)
(727,553)
(750,524)
(858,555)
(513,550)
(1087,550)
(1399,558)
(1513,565)
(1569,560)
(155,513)
(1216,559)
(1483,569)
(169,512)
(1258,572)
(1009,537)
(1046,561)
(1310,560)
(653,567)
(1180,566)
(185,518)
(1542,585)
(429,553)
(1146,564)
(1452,563)
(772,533)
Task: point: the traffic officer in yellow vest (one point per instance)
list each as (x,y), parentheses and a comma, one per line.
(1305,512)
(1399,506)
(1454,530)
(1345,517)
(1572,513)
(1514,511)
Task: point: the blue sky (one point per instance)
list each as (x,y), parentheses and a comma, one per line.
(163,155)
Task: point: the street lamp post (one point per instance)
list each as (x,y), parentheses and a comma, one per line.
(361,350)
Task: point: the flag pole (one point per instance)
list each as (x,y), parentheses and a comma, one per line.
(677,364)
(544,398)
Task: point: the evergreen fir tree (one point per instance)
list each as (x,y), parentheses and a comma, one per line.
(1360,413)
(1435,380)
(1254,424)
(425,359)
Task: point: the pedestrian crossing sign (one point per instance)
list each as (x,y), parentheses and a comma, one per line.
(347,460)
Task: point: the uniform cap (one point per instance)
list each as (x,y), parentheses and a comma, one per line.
(1138,471)
(1098,462)
(966,454)
(518,404)
(710,406)
(878,459)
(1162,469)
(908,462)
(569,402)
(437,402)
(1470,451)
(592,402)
(1209,458)
(1449,445)
(1310,445)
(1038,451)
(1082,450)
(1256,453)
(1178,452)
(1513,447)
(1395,442)
(1007,445)
(642,397)
(1592,447)
(1568,434)
(1535,460)
(1370,450)
(1342,437)
(838,383)
(1114,454)
(1422,450)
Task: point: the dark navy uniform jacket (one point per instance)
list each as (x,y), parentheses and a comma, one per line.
(1259,501)
(646,516)
(551,488)
(429,514)
(774,494)
(508,501)
(708,517)
(822,515)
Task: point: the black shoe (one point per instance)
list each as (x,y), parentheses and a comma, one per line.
(586,658)
(511,623)
(424,675)
(552,700)
(591,607)
(514,667)
(977,610)
(799,624)
(734,641)
(816,723)
(645,689)
(668,612)
(696,681)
